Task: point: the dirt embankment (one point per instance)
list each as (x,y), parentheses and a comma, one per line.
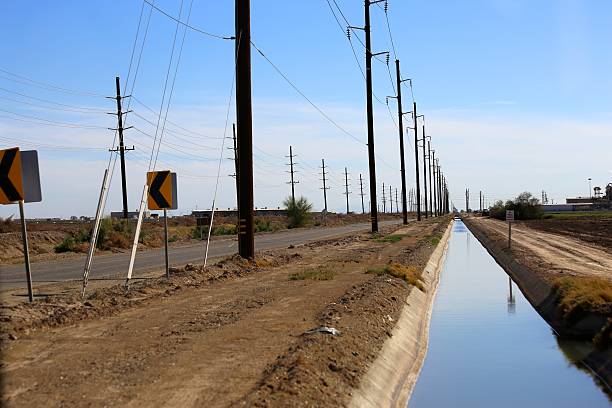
(235,333)
(593,230)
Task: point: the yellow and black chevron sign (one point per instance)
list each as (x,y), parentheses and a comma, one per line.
(11,179)
(162,190)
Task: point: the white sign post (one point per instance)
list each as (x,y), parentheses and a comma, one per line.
(510,220)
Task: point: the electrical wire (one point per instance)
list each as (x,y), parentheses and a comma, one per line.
(31,82)
(186,25)
(295,88)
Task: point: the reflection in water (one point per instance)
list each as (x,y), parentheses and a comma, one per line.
(489,348)
(511,300)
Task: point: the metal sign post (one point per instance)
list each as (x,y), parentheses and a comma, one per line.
(166,243)
(20,183)
(26,251)
(510,220)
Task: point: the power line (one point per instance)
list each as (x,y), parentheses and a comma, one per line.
(186,25)
(28,81)
(325,115)
(46,122)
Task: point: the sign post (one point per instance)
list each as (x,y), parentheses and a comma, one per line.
(510,220)
(162,196)
(20,183)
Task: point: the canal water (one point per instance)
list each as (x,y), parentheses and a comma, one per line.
(487,349)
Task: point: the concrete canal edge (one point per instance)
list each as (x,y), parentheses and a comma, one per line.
(543,299)
(391,378)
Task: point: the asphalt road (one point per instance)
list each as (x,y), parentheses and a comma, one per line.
(115,265)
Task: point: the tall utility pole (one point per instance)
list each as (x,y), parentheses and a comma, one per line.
(416,162)
(384,198)
(292,182)
(480,200)
(324,187)
(370,116)
(432,178)
(346,189)
(431,189)
(401,141)
(435,182)
(361,194)
(390,200)
(236,169)
(425,170)
(244,119)
(121,149)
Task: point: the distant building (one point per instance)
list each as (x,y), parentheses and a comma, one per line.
(132,215)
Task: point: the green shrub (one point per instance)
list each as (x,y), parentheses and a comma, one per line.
(67,245)
(525,207)
(199,232)
(225,229)
(298,211)
(318,274)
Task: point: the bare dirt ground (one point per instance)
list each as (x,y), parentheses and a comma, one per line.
(554,254)
(594,230)
(233,334)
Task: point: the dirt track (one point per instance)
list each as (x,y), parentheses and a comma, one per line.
(221,342)
(557,254)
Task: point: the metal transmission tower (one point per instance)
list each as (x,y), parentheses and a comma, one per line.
(121,149)
(324,188)
(292,181)
(244,120)
(346,189)
(361,194)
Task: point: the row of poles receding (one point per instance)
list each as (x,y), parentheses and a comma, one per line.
(436,204)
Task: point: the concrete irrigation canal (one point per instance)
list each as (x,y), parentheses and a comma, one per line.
(489,347)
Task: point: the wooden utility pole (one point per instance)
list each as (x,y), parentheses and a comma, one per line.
(431,189)
(292,182)
(396,202)
(244,120)
(370,117)
(390,200)
(425,170)
(346,189)
(416,161)
(236,169)
(325,188)
(400,114)
(121,149)
(384,198)
(361,194)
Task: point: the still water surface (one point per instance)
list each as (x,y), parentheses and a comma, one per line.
(487,350)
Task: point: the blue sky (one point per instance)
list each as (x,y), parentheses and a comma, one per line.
(516,93)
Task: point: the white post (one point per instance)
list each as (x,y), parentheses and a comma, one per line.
(94,233)
(143,202)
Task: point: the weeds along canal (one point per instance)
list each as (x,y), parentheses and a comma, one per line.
(490,349)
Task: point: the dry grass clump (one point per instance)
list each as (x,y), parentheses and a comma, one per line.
(579,295)
(321,273)
(408,273)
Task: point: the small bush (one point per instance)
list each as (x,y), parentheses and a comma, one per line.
(172,238)
(199,232)
(298,211)
(319,274)
(408,273)
(579,295)
(433,239)
(67,245)
(225,229)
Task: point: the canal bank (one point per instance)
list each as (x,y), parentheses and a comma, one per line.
(390,379)
(541,295)
(489,347)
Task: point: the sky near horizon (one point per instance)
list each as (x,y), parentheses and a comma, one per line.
(517,96)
